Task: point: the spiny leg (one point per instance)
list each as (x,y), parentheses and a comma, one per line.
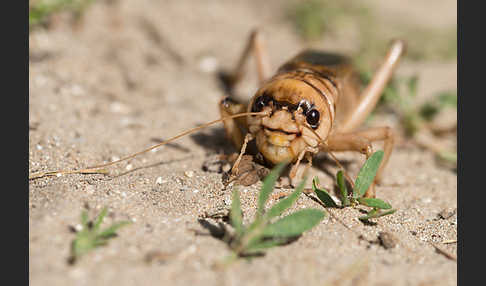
(257,45)
(361,142)
(293,175)
(248,138)
(372,93)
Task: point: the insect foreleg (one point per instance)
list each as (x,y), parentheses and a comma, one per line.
(248,138)
(361,142)
(294,176)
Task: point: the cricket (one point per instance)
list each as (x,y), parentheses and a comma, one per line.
(312,104)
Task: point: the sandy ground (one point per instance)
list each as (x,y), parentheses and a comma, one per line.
(112,86)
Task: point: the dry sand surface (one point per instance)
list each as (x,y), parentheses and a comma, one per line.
(135,72)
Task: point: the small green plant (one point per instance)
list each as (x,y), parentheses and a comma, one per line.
(267,230)
(416,118)
(309,18)
(313,18)
(40,10)
(90,236)
(413,117)
(365,178)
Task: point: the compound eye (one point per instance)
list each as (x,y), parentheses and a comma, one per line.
(312,118)
(260,103)
(304,104)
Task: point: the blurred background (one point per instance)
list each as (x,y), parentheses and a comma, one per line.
(108,78)
(151,49)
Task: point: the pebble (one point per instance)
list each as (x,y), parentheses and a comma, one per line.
(160,181)
(78,227)
(227,201)
(446,213)
(208,64)
(90,189)
(189,174)
(387,240)
(118,107)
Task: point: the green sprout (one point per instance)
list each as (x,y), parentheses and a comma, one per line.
(90,236)
(363,181)
(41,10)
(313,18)
(414,118)
(268,230)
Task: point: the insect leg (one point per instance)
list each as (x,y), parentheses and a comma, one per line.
(351,142)
(361,142)
(293,174)
(235,128)
(257,45)
(248,138)
(379,134)
(373,91)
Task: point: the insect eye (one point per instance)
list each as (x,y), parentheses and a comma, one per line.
(312,118)
(260,103)
(304,105)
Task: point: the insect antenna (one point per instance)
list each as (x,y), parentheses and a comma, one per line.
(97,169)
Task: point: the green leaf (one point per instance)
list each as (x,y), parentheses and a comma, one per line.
(261,245)
(447,98)
(111,231)
(448,156)
(412,86)
(99,219)
(267,188)
(323,195)
(432,107)
(374,203)
(428,111)
(236,216)
(81,245)
(367,174)
(284,204)
(84,219)
(294,224)
(342,187)
(375,213)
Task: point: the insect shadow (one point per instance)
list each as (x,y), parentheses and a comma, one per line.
(152,166)
(322,161)
(214,140)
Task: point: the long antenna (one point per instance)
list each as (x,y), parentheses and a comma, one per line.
(97,169)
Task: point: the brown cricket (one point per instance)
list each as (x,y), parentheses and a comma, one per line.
(312,104)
